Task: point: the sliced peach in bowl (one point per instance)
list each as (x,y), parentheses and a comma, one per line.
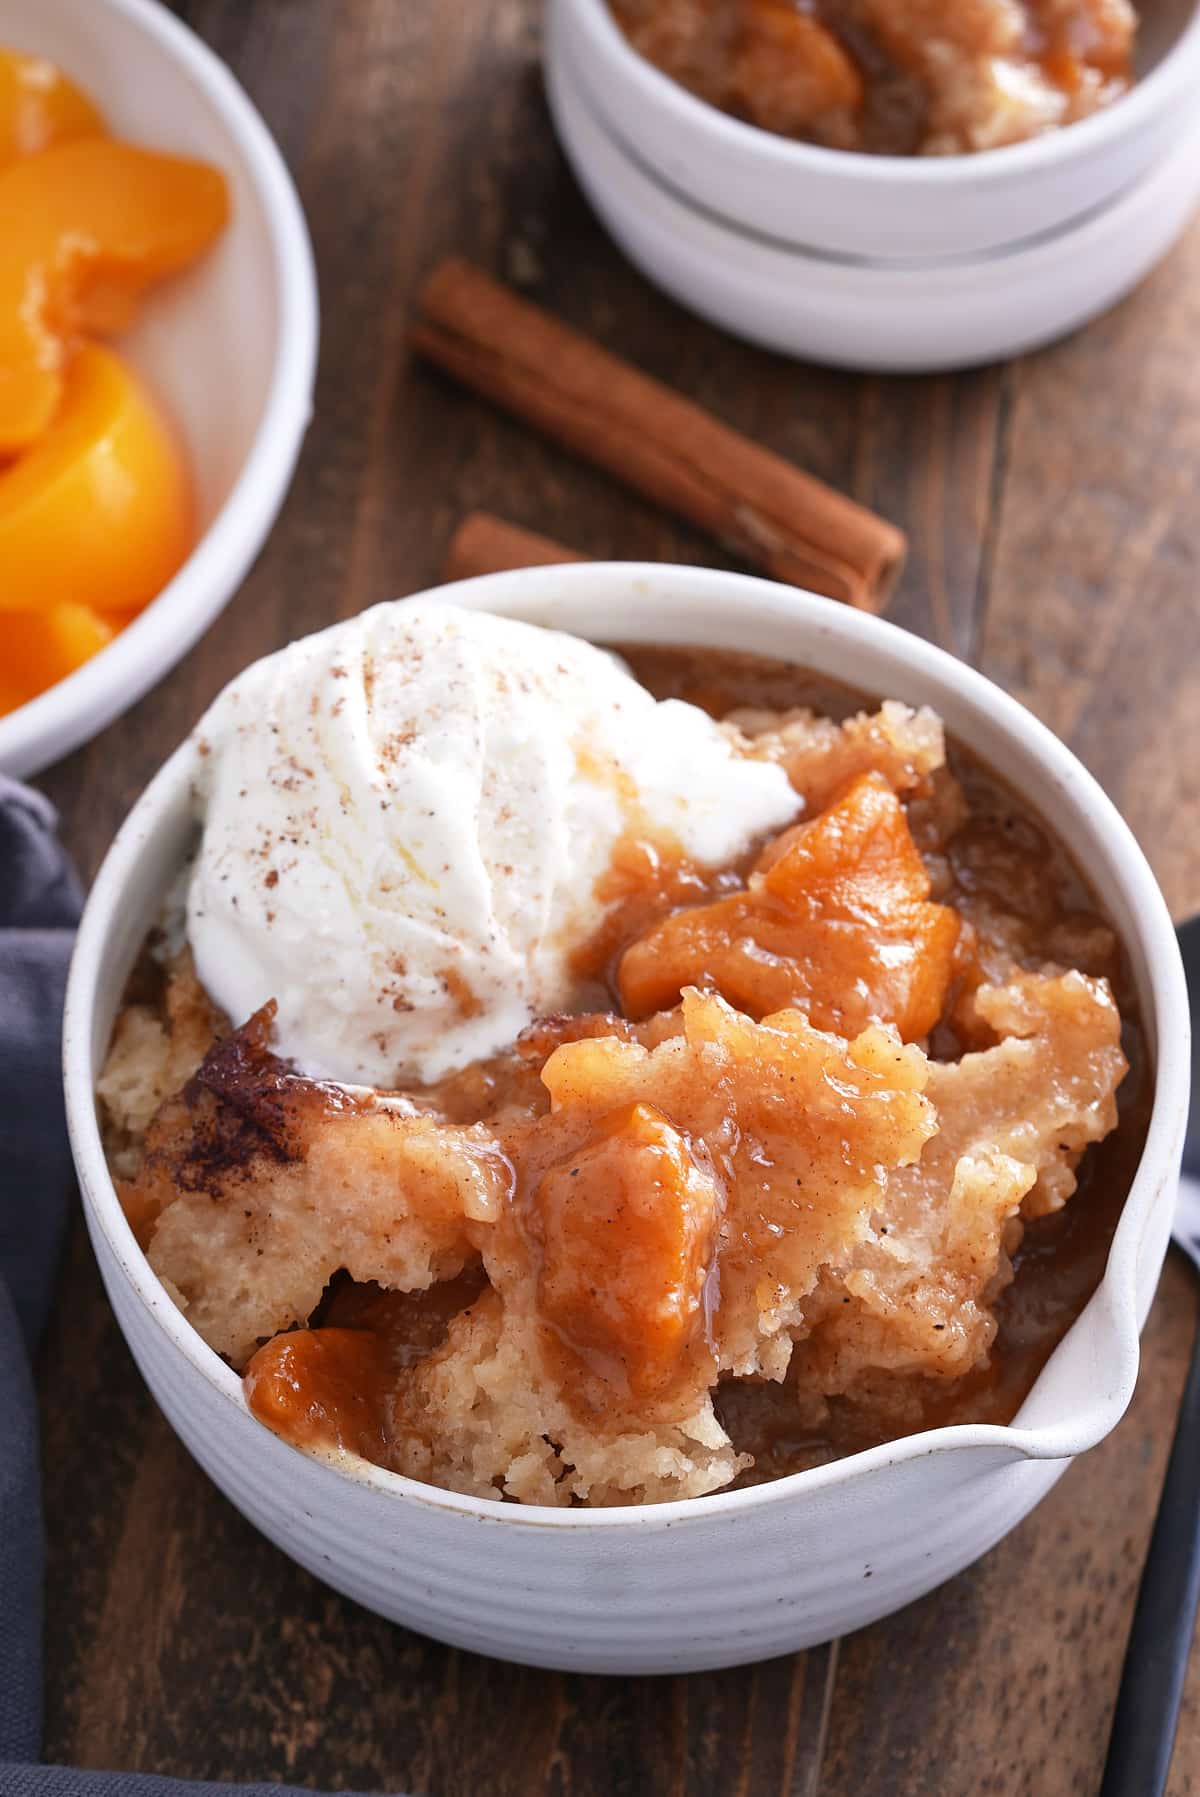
(39,647)
(88,226)
(40,106)
(99,511)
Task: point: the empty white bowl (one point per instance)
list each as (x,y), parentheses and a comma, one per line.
(736,1576)
(897,263)
(229,347)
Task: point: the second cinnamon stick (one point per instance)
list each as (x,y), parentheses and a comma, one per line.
(762,506)
(485,544)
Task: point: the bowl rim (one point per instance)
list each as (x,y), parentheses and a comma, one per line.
(78,707)
(959,271)
(1159,87)
(598,583)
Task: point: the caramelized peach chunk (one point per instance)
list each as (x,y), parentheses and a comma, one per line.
(769,61)
(626,1225)
(88,226)
(804,1129)
(323,1388)
(332,1386)
(98,513)
(39,106)
(789,74)
(836,920)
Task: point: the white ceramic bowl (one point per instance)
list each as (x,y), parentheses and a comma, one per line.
(879,262)
(882,207)
(895,316)
(736,1576)
(229,347)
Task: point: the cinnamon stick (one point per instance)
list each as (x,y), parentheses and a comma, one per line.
(485,544)
(760,505)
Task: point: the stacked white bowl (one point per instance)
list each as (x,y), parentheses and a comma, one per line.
(880,262)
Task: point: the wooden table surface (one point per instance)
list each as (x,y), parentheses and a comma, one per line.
(1055,536)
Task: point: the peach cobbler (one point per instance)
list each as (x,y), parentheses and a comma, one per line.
(897,77)
(592,1080)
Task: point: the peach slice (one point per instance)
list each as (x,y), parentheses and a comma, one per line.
(88,226)
(98,513)
(788,73)
(39,106)
(627,1226)
(39,648)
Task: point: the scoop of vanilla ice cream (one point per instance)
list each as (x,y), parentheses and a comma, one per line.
(404,821)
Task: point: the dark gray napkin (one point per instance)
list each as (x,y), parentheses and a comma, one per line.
(39,908)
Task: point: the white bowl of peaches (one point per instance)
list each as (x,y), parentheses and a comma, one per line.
(631,1161)
(158,334)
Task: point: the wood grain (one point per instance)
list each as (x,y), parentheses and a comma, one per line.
(1092,618)
(1003,1681)
(1053,538)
